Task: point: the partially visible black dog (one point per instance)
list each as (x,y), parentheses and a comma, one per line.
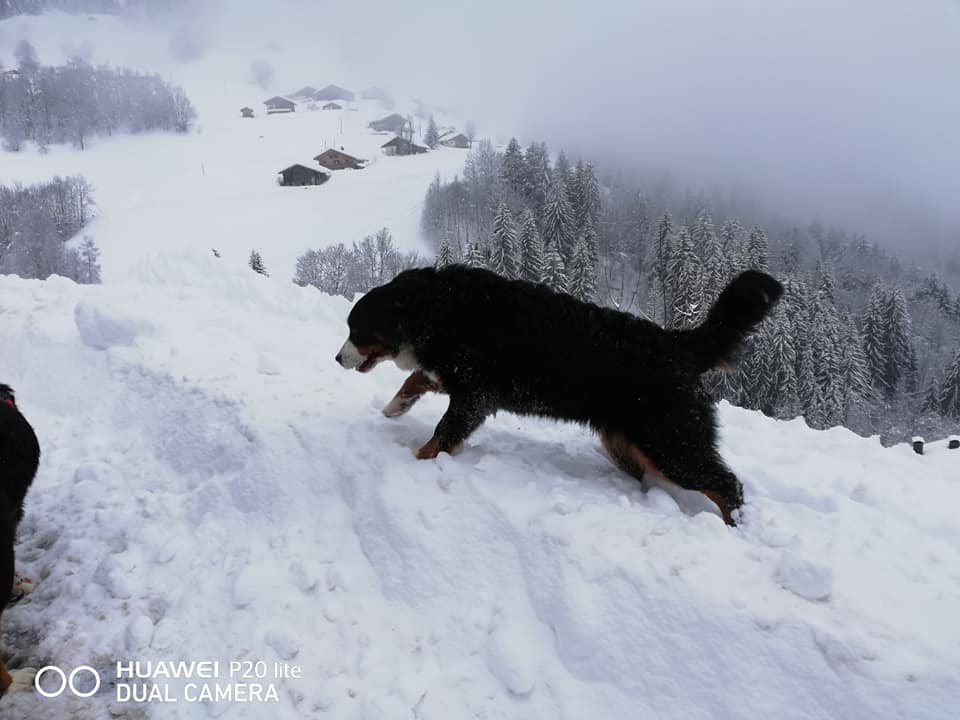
(494,344)
(19,458)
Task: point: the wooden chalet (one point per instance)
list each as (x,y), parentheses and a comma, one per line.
(455,141)
(246,112)
(298,175)
(333,92)
(332,106)
(279,104)
(395,123)
(402,146)
(333,159)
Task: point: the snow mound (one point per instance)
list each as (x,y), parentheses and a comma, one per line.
(214,487)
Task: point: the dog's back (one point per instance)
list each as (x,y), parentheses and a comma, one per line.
(19,458)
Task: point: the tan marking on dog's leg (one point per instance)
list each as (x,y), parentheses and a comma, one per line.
(628,457)
(413,388)
(432,449)
(722,504)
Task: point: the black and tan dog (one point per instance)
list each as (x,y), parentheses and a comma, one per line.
(19,457)
(496,344)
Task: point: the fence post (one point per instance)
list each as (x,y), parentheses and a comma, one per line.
(954,442)
(917,444)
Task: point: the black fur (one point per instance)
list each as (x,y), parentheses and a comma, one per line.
(19,458)
(497,344)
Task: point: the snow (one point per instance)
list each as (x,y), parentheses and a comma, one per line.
(217,187)
(215,487)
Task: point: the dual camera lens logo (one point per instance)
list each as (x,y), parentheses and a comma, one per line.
(67,681)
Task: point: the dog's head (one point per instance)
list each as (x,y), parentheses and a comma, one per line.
(6,395)
(382,323)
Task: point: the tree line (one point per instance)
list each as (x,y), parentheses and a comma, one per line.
(10,8)
(36,221)
(77,101)
(861,339)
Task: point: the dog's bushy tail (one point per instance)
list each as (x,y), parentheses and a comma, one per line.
(742,305)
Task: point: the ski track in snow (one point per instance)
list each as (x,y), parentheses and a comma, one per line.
(214,486)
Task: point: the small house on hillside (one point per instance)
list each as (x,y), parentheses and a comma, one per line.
(332,106)
(246,112)
(298,175)
(402,146)
(305,92)
(333,92)
(338,160)
(395,123)
(279,104)
(456,141)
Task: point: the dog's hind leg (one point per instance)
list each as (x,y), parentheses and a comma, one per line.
(465,414)
(413,388)
(705,473)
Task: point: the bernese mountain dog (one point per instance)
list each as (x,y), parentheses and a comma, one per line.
(497,344)
(19,458)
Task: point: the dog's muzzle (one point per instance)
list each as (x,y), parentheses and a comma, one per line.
(349,356)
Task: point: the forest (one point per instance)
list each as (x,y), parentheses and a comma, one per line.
(863,339)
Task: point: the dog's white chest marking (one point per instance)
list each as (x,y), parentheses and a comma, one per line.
(405,359)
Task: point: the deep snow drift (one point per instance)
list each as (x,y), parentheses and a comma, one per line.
(215,487)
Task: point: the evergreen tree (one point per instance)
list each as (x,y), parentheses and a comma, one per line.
(875,340)
(827,291)
(660,281)
(554,273)
(505,257)
(531,249)
(856,376)
(474,257)
(758,250)
(256,263)
(537,162)
(902,361)
(444,255)
(88,270)
(684,280)
(432,136)
(714,273)
(558,223)
(583,278)
(950,390)
(931,399)
(514,171)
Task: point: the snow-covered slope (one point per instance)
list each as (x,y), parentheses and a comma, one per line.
(216,188)
(215,487)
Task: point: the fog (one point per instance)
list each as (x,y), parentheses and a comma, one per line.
(848,110)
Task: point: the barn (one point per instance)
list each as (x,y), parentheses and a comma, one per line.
(402,146)
(298,175)
(456,141)
(279,104)
(332,106)
(338,160)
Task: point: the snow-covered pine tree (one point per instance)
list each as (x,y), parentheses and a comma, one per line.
(474,257)
(583,278)
(444,255)
(505,257)
(758,249)
(659,280)
(88,270)
(902,361)
(931,399)
(588,237)
(684,278)
(531,249)
(432,136)
(537,171)
(827,367)
(950,390)
(554,272)
(731,238)
(875,338)
(256,263)
(827,290)
(591,194)
(714,273)
(559,229)
(514,171)
(856,376)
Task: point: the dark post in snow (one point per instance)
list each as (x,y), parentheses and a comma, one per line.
(953,442)
(917,444)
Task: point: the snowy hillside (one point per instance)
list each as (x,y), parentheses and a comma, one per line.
(215,487)
(216,188)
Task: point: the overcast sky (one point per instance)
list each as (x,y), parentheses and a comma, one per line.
(848,108)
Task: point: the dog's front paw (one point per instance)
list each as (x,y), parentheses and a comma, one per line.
(21,586)
(430,450)
(398,406)
(19,680)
